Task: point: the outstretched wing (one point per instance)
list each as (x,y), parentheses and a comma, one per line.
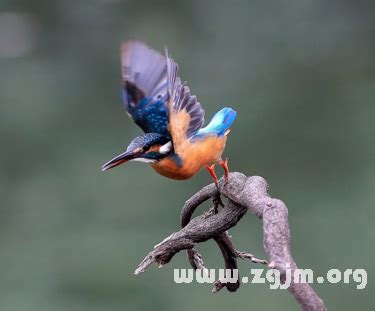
(144,75)
(186,115)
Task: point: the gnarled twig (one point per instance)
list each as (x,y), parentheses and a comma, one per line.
(243,194)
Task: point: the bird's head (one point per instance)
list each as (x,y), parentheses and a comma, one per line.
(148,148)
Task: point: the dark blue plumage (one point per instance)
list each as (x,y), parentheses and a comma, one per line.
(150,81)
(175,143)
(146,141)
(144,73)
(151,115)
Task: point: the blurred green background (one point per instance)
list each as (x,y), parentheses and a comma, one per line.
(301,75)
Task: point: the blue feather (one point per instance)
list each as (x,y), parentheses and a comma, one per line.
(219,124)
(151,114)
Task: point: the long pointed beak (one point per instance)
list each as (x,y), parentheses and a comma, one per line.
(122,158)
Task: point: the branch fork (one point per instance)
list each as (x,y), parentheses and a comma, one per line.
(243,194)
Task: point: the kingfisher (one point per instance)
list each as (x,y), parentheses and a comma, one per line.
(174,143)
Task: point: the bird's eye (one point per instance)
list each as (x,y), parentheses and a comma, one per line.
(154,148)
(148,148)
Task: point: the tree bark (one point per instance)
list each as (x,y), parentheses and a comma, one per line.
(243,194)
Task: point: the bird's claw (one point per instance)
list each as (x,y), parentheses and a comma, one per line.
(211,170)
(224,165)
(217,201)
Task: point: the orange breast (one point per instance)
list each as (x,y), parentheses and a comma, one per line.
(194,157)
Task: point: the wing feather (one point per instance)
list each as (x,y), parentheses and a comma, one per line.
(144,67)
(153,93)
(144,75)
(181,100)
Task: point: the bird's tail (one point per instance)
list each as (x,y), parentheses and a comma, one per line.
(220,122)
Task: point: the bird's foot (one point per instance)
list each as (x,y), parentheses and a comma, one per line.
(217,201)
(224,165)
(211,170)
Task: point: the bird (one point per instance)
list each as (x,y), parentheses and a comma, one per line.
(175,143)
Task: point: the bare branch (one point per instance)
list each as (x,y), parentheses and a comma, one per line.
(243,194)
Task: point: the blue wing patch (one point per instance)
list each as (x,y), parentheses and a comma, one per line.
(151,115)
(144,93)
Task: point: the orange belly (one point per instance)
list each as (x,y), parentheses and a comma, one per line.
(194,156)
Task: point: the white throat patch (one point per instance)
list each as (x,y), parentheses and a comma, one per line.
(166,148)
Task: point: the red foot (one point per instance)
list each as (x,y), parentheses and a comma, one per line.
(224,165)
(211,170)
